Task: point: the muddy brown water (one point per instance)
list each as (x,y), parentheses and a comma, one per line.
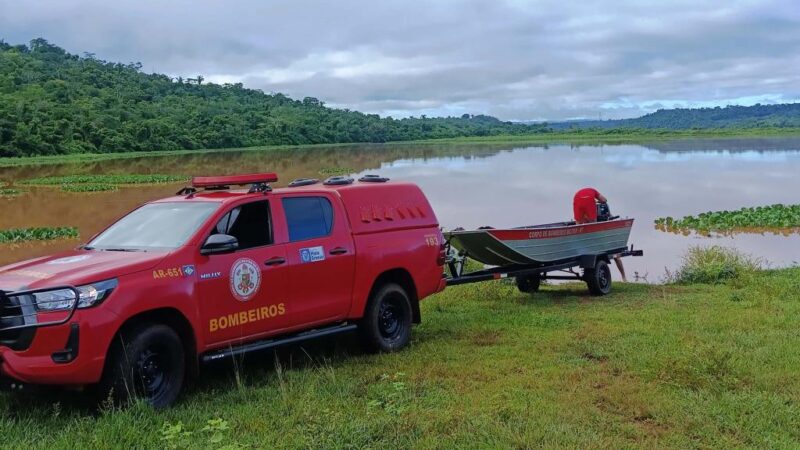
(471,185)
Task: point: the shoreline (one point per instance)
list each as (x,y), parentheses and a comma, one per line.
(600,137)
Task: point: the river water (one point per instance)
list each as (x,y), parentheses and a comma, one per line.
(471,185)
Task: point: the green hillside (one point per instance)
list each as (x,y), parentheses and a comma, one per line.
(785,115)
(53,102)
(56,103)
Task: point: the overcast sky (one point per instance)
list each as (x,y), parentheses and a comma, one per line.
(514,59)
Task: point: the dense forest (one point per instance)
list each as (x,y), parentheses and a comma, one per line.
(756,116)
(53,102)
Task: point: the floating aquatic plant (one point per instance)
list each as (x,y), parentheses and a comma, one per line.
(335,170)
(104,179)
(37,234)
(771,218)
(9,192)
(93,187)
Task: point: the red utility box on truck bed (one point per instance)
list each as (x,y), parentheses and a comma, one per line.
(213,273)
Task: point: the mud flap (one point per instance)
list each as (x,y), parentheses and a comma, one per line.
(587,261)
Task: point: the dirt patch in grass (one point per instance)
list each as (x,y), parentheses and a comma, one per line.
(594,357)
(484,338)
(624,396)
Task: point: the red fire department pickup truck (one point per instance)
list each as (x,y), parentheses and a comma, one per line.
(212,273)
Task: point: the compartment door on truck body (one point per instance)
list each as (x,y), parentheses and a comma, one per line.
(244,293)
(321,257)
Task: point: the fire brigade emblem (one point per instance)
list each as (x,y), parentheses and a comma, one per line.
(245,279)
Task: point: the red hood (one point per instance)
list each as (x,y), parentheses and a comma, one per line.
(75,267)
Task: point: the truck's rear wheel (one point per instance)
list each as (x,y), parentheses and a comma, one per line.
(598,278)
(146,362)
(386,325)
(529,283)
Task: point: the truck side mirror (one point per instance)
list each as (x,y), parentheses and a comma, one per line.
(219,243)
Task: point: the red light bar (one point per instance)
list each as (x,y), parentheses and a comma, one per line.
(235,180)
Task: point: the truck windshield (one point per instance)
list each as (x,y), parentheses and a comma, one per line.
(154,226)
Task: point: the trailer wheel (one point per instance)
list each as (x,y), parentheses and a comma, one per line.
(529,283)
(145,362)
(598,278)
(386,325)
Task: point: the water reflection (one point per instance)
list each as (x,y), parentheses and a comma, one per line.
(502,185)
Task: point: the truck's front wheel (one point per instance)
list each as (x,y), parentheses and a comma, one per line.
(146,362)
(386,325)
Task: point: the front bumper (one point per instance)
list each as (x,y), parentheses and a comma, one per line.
(69,354)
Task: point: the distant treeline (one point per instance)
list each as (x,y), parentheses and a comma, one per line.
(785,115)
(53,102)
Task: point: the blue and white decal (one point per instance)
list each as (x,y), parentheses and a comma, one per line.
(312,254)
(188,270)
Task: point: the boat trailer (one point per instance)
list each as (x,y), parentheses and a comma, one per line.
(592,269)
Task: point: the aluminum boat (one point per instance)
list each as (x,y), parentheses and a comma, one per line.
(546,243)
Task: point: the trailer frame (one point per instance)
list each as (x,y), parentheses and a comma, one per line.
(588,265)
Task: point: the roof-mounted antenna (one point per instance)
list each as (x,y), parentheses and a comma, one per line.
(188,191)
(259,187)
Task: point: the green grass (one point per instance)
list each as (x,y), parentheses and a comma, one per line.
(104,179)
(37,234)
(714,265)
(92,187)
(650,366)
(773,217)
(610,136)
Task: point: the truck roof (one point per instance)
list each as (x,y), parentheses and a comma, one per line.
(370,206)
(230,195)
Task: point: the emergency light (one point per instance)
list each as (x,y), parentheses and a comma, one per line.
(234,180)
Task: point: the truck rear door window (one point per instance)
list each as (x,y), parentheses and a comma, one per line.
(308,217)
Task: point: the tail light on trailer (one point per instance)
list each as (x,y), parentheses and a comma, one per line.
(441,259)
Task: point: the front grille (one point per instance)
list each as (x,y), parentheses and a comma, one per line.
(15,312)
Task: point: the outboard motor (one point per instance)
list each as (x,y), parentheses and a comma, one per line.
(603,212)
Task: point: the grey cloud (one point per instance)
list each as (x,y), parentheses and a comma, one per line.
(513,59)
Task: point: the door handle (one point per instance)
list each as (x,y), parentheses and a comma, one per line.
(338,251)
(275,261)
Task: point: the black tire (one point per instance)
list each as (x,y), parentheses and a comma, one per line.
(148,362)
(598,278)
(529,283)
(386,325)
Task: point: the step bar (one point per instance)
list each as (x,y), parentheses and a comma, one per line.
(216,355)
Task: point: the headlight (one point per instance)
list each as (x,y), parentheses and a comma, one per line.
(91,294)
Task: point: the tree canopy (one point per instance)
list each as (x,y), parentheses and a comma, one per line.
(54,102)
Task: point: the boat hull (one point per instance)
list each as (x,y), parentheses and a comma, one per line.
(543,243)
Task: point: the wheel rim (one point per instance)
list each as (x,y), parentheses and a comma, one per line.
(604,277)
(153,368)
(390,318)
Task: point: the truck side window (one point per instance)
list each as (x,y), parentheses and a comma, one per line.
(249,223)
(308,217)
